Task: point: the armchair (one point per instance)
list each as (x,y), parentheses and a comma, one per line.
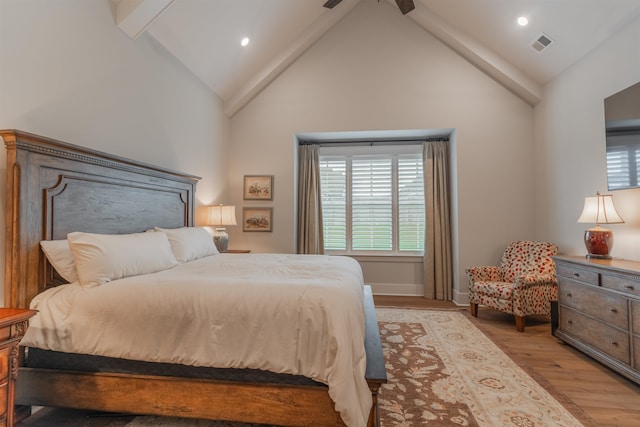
(524,284)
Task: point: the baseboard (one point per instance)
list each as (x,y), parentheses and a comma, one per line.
(399,289)
(460,298)
(414,290)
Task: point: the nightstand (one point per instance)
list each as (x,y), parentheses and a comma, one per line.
(13,325)
(238,251)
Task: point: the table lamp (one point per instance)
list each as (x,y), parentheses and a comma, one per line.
(599,210)
(220,216)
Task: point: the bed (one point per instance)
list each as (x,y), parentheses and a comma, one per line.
(55,188)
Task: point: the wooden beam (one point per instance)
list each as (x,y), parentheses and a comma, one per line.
(135,16)
(479,55)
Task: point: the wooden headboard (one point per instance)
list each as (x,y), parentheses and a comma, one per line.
(54,188)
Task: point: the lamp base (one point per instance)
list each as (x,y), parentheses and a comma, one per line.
(594,256)
(598,242)
(221,239)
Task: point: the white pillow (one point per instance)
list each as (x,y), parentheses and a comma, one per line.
(60,257)
(101,258)
(189,243)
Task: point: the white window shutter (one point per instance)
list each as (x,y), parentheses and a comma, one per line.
(410,205)
(334,203)
(371,205)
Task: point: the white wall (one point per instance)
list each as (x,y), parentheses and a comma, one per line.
(570,146)
(376,70)
(67,72)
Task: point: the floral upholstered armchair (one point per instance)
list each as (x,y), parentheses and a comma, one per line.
(524,284)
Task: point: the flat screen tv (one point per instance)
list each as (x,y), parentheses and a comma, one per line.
(622,122)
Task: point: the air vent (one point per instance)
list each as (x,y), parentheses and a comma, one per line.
(541,43)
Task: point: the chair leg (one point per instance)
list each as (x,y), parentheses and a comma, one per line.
(520,323)
(473,307)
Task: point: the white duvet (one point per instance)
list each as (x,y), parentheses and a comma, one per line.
(296,314)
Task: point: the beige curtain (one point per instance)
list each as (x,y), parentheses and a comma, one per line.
(310,239)
(438,268)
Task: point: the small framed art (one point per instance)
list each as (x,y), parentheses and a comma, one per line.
(257,219)
(258,187)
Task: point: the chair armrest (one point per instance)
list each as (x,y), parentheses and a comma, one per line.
(535,279)
(484,274)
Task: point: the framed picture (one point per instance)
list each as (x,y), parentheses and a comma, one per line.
(258,187)
(257,219)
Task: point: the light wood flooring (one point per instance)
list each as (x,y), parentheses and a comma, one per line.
(607,397)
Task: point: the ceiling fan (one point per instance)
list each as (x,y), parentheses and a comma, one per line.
(405,6)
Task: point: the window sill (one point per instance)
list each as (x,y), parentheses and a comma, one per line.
(388,258)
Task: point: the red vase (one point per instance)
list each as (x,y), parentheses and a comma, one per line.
(598,242)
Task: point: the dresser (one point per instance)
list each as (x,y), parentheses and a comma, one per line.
(13,325)
(599,310)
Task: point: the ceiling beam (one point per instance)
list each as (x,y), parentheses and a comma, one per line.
(281,62)
(477,54)
(135,16)
(486,60)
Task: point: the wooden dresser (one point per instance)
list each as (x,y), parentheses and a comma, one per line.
(599,310)
(13,325)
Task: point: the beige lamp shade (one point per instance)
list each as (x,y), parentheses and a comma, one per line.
(221,215)
(599,210)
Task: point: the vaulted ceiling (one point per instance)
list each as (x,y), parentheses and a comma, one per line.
(205,36)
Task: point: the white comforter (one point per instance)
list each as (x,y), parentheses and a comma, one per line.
(297,314)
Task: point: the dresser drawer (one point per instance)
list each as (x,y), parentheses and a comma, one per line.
(5,333)
(583,275)
(4,363)
(598,335)
(4,383)
(635,317)
(622,284)
(606,306)
(4,395)
(14,323)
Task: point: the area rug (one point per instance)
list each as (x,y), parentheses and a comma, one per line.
(442,371)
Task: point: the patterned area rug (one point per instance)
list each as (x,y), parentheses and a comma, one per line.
(442,371)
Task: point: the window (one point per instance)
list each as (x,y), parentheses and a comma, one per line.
(372,200)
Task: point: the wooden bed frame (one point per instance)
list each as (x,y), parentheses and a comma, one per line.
(54,188)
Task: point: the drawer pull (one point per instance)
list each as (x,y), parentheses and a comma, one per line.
(613,343)
(629,287)
(576,274)
(570,322)
(613,310)
(569,294)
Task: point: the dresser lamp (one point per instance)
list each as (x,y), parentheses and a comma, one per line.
(598,210)
(220,216)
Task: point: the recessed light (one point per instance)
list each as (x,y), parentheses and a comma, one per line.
(523,21)
(245,41)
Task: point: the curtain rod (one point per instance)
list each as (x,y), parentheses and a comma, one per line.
(355,143)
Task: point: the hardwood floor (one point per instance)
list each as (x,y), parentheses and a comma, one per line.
(607,397)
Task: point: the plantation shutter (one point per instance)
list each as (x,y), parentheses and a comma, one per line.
(373,200)
(333,182)
(372,204)
(410,204)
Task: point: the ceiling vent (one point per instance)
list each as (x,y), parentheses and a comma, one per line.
(541,43)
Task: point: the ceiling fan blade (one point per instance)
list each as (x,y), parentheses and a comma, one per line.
(405,6)
(330,4)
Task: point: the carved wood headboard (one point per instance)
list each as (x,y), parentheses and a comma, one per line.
(54,188)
